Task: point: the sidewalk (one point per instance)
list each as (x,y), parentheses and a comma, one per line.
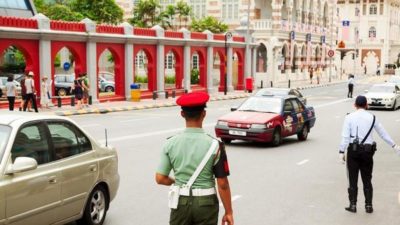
(118,106)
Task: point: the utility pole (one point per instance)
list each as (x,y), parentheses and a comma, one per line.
(331,41)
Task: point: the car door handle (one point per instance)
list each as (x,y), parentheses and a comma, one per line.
(93,168)
(53,180)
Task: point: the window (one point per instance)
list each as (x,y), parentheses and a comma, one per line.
(373,10)
(372,32)
(288,106)
(198,7)
(140,60)
(381,9)
(31,141)
(67,140)
(230,9)
(298,107)
(169,61)
(364,9)
(195,61)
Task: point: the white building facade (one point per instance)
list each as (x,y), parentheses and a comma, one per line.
(371,34)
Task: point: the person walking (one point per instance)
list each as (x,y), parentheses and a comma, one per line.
(319,74)
(23,93)
(311,71)
(78,91)
(86,89)
(30,92)
(197,159)
(350,85)
(357,138)
(11,90)
(44,94)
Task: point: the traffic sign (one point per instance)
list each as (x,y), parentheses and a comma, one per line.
(346,23)
(292,35)
(308,37)
(66,66)
(331,53)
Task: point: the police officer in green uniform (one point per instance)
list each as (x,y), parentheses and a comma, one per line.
(183,153)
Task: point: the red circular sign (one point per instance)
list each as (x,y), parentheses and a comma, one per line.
(331,53)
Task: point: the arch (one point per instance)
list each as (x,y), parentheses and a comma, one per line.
(118,53)
(77,49)
(178,54)
(222,59)
(317,55)
(285,54)
(151,54)
(30,50)
(294,59)
(325,15)
(261,63)
(240,56)
(303,57)
(202,52)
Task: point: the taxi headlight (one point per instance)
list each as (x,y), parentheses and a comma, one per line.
(258,126)
(222,123)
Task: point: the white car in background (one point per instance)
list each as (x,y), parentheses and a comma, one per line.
(383,96)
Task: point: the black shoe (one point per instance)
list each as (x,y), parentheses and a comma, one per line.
(352,208)
(369,209)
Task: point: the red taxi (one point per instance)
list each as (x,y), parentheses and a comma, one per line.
(266,119)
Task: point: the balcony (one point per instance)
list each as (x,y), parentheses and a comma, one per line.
(266,24)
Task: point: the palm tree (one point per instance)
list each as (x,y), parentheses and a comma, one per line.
(170,13)
(146,13)
(184,11)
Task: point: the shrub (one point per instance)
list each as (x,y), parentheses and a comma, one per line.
(170,79)
(194,76)
(140,79)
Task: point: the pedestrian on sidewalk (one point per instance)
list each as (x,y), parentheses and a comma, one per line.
(192,197)
(319,74)
(350,85)
(85,88)
(357,139)
(23,93)
(311,71)
(78,92)
(30,92)
(44,94)
(11,90)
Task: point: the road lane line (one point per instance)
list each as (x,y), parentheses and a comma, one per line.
(234,198)
(332,103)
(303,162)
(91,125)
(135,136)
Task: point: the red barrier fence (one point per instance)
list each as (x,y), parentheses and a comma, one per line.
(67,26)
(109,29)
(144,32)
(173,34)
(17,22)
(197,35)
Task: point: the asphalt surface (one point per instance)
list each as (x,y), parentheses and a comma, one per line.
(296,183)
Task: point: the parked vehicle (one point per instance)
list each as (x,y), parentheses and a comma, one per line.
(63,84)
(383,96)
(266,119)
(107,75)
(53,172)
(281,92)
(106,85)
(394,79)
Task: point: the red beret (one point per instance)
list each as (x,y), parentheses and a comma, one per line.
(193,99)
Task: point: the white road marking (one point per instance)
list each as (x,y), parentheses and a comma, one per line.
(91,125)
(234,198)
(135,136)
(303,162)
(332,103)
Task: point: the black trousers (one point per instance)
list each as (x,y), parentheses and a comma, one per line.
(30,97)
(11,101)
(350,92)
(360,161)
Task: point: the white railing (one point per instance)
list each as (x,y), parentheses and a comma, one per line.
(265,24)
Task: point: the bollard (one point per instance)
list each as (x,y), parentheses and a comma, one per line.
(154,95)
(272,84)
(289,84)
(166,94)
(186,91)
(262,84)
(90,100)
(72,100)
(173,93)
(59,102)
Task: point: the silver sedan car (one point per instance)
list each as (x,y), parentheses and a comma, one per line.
(384,96)
(52,172)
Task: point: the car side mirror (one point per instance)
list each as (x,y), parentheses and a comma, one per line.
(234,108)
(22,164)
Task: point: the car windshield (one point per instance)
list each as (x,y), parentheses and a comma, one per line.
(261,104)
(384,89)
(4,134)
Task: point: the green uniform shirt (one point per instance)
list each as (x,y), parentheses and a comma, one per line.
(183,153)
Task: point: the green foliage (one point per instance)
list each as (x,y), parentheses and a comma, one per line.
(146,13)
(140,79)
(184,11)
(194,76)
(170,79)
(209,23)
(62,12)
(57,61)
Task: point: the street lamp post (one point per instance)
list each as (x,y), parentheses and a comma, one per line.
(227,35)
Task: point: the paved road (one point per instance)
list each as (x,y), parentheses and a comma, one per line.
(296,183)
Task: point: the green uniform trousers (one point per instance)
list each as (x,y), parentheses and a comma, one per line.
(202,210)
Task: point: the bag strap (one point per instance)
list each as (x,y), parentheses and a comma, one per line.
(370,129)
(202,164)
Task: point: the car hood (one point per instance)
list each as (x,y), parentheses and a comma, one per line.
(248,117)
(379,95)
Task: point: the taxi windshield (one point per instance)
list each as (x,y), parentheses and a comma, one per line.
(262,104)
(4,134)
(381,88)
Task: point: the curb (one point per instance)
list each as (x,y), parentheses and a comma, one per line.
(140,107)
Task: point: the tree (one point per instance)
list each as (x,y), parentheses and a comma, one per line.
(208,23)
(62,12)
(146,13)
(184,12)
(101,11)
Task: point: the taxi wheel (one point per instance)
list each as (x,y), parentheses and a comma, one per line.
(96,207)
(226,140)
(276,137)
(303,134)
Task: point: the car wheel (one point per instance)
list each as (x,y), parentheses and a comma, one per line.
(303,134)
(62,92)
(96,207)
(276,137)
(109,89)
(226,140)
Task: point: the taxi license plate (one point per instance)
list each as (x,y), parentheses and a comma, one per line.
(236,132)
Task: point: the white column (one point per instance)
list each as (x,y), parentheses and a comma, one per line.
(254,64)
(91,60)
(129,60)
(160,63)
(229,69)
(186,60)
(247,65)
(210,58)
